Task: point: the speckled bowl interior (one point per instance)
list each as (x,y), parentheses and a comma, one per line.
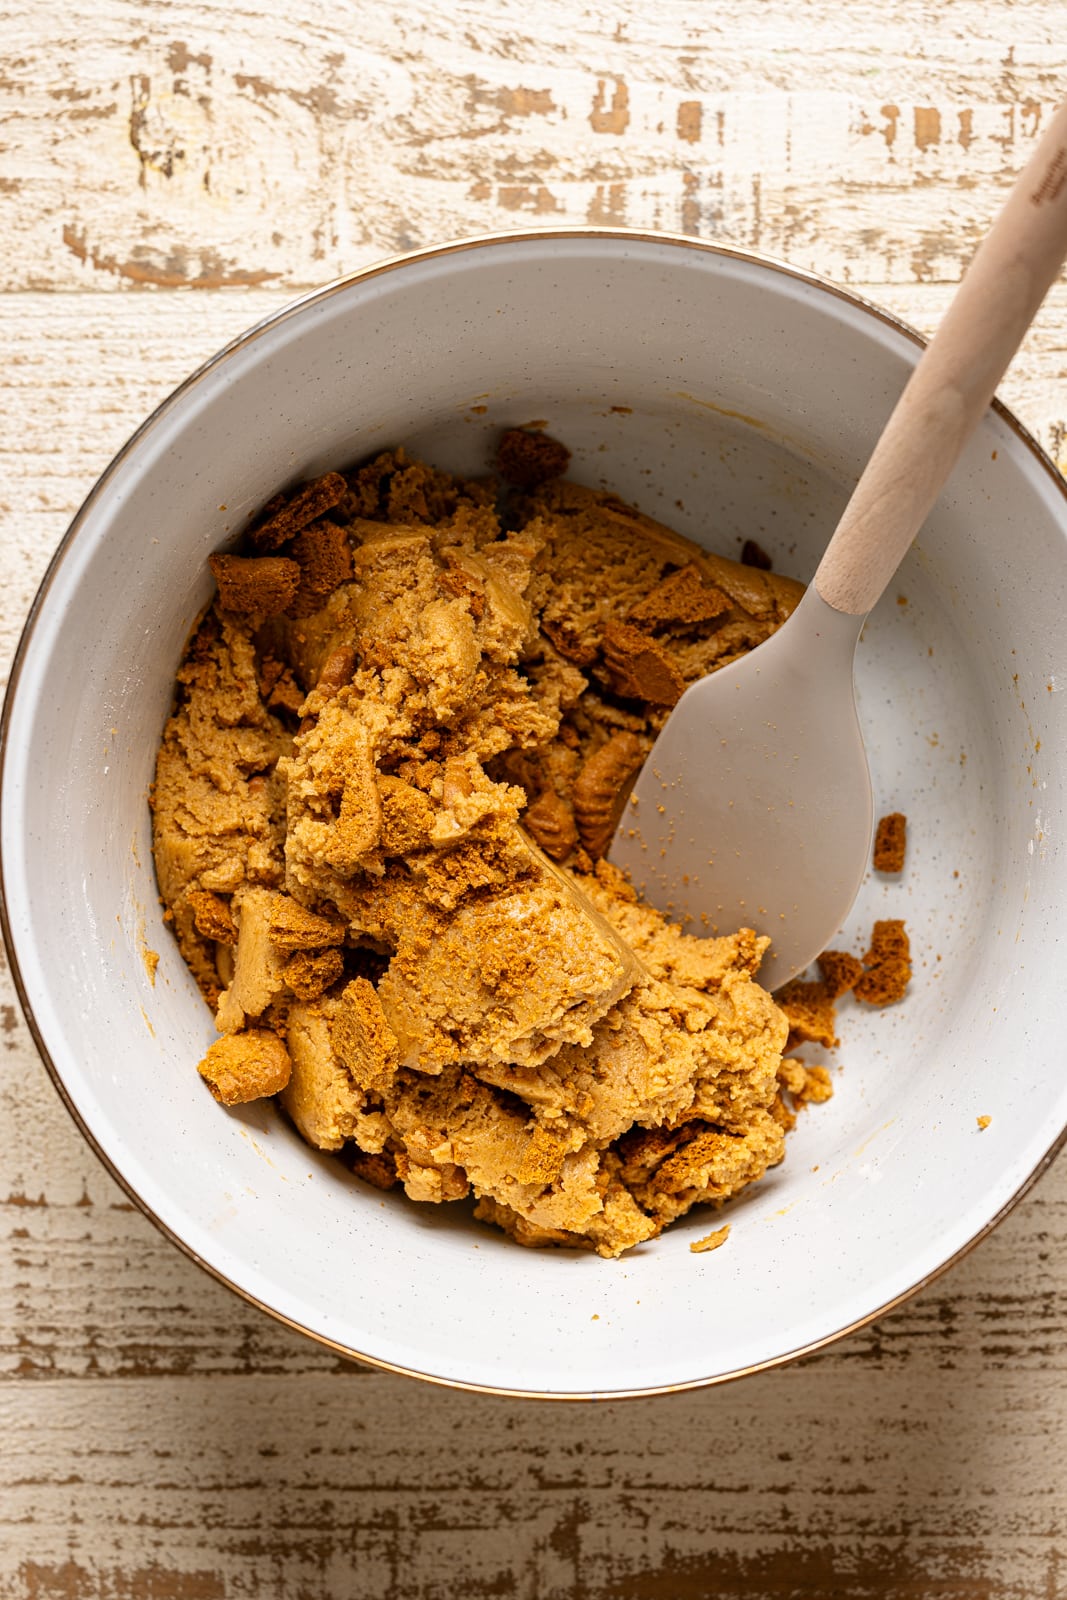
(730,397)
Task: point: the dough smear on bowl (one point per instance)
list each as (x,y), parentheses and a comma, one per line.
(402,738)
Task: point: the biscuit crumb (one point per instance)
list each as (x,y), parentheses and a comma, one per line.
(639,668)
(285,515)
(710,1241)
(602,787)
(983,1122)
(377,1169)
(680,600)
(246,1066)
(804,1081)
(337,670)
(292,927)
(809,1006)
(890,842)
(363,1039)
(840,972)
(309,973)
(286,694)
(551,822)
(792,1074)
(817,1086)
(261,585)
(530,459)
(212,917)
(887,964)
(324,556)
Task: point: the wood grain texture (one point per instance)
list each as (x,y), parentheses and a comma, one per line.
(159,1439)
(179,144)
(264,1486)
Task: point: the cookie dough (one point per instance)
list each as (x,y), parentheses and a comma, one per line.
(402,736)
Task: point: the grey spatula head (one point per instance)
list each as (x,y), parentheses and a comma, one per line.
(754,809)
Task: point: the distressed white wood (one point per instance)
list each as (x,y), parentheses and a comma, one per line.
(158,1438)
(269,1486)
(184,143)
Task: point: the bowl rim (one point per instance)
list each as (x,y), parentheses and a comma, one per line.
(272,320)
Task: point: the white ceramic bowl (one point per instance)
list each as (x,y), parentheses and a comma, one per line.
(733,397)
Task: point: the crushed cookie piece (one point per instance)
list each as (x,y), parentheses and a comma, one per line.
(811,1012)
(887,964)
(638,666)
(792,1074)
(309,973)
(407,816)
(550,821)
(710,1241)
(337,670)
(467,586)
(602,787)
(543,1157)
(363,1039)
(530,459)
(324,556)
(264,585)
(754,555)
(212,916)
(783,1116)
(289,512)
(378,1169)
(292,926)
(286,694)
(841,971)
(566,639)
(681,599)
(890,842)
(268,671)
(817,1086)
(246,1066)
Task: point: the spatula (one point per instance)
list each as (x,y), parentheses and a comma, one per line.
(754,808)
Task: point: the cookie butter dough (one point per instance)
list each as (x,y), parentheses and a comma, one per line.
(403,734)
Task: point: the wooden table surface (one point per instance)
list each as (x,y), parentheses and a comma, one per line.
(170,171)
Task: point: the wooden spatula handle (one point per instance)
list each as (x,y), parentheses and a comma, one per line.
(954,381)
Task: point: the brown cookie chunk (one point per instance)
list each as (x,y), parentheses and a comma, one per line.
(681,600)
(263,585)
(363,1039)
(639,668)
(324,556)
(379,1170)
(528,459)
(568,642)
(888,965)
(212,916)
(840,972)
(309,973)
(246,1066)
(890,842)
(292,926)
(285,515)
(809,1008)
(551,823)
(601,789)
